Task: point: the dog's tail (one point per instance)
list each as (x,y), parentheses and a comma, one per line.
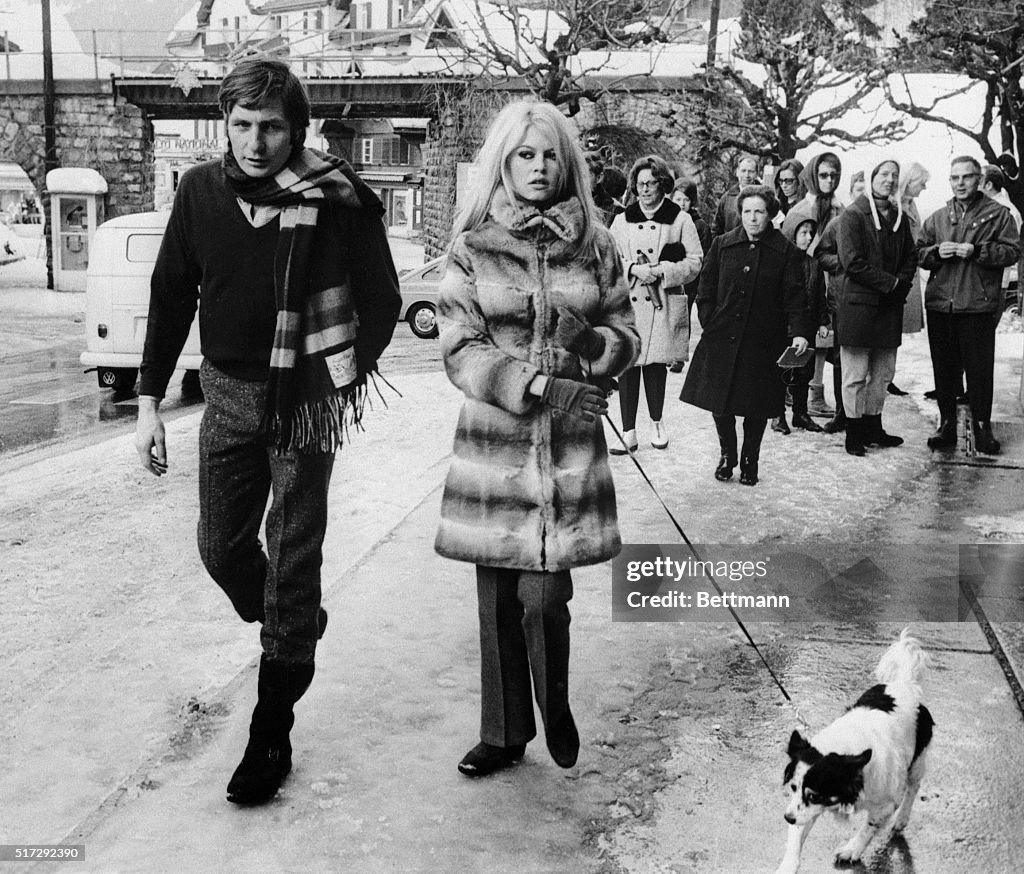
(905,661)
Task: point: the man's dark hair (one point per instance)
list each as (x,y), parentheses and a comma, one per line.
(992,174)
(256,81)
(967,159)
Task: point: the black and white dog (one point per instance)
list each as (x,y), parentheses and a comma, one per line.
(872,758)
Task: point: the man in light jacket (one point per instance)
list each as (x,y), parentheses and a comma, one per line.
(965,245)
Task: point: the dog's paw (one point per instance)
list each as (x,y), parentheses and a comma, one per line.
(848,854)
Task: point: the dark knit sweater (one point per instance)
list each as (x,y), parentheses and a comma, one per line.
(212,255)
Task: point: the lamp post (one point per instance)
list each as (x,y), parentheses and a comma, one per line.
(49,129)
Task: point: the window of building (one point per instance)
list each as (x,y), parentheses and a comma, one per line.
(367,150)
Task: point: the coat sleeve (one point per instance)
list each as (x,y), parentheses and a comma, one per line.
(173,297)
(1004,250)
(826,251)
(927,244)
(615,320)
(794,295)
(620,234)
(855,256)
(707,289)
(678,273)
(374,287)
(472,359)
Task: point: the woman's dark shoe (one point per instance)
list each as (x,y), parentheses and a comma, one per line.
(748,471)
(723,473)
(261,772)
(944,436)
(485,759)
(564,742)
(802,420)
(779,424)
(894,389)
(855,438)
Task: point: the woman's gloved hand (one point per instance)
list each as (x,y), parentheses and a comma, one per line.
(579,399)
(574,334)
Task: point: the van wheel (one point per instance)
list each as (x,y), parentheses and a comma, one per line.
(117,378)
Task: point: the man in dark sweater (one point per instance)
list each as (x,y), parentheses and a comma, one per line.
(284,250)
(748,172)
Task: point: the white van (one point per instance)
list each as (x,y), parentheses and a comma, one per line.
(124,251)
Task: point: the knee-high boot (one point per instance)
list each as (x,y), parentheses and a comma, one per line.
(268,755)
(726,428)
(750,454)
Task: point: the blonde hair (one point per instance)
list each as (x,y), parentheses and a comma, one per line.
(506,132)
(914,173)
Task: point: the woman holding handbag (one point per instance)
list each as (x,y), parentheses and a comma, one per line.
(752,297)
(661,251)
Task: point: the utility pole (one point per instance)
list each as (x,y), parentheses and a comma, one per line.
(49,132)
(716,8)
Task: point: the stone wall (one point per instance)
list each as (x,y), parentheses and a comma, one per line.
(457,135)
(110,136)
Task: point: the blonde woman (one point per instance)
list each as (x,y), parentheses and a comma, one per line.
(533,304)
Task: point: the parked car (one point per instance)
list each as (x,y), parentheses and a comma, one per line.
(121,263)
(419,297)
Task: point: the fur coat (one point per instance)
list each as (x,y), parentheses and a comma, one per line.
(528,487)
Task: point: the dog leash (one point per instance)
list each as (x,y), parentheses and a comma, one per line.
(803,722)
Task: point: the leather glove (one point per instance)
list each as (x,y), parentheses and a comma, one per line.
(606,384)
(579,399)
(574,334)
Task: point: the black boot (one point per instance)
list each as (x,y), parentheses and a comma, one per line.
(839,420)
(268,755)
(726,428)
(836,424)
(750,454)
(944,436)
(875,434)
(855,437)
(984,440)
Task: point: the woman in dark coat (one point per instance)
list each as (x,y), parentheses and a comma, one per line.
(751,299)
(878,259)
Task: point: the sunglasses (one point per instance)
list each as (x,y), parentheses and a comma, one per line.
(828,175)
(787,180)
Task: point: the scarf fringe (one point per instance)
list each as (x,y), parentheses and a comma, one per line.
(324,426)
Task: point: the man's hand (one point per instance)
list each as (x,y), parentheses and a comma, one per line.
(799,344)
(965,250)
(580,399)
(948,249)
(149,437)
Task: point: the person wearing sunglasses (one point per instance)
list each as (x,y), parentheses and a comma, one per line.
(789,188)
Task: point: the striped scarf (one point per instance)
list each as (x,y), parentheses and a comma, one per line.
(315,390)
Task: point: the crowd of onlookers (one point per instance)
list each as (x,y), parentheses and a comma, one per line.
(871,268)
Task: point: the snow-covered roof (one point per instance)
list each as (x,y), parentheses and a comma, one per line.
(75,180)
(22,20)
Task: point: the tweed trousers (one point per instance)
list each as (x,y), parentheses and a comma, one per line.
(524,630)
(238,472)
